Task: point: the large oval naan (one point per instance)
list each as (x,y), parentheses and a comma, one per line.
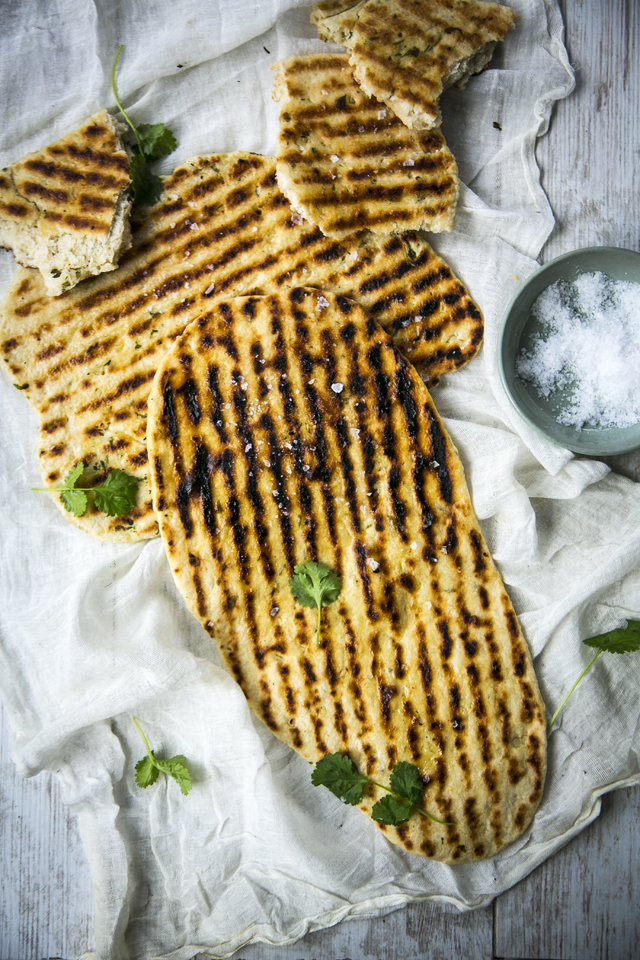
(288,427)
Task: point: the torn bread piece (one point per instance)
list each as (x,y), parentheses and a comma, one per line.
(65,209)
(347,163)
(406,52)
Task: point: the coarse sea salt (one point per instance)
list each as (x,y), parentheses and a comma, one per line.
(589,347)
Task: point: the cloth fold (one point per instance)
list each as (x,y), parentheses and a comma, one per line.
(92,633)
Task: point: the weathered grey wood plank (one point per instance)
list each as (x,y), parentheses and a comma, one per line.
(46,907)
(581,904)
(422,930)
(590,159)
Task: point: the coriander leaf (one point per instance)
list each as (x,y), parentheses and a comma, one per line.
(146,771)
(623,640)
(315,585)
(392,811)
(75,501)
(137,167)
(176,767)
(153,140)
(147,188)
(117,495)
(156,140)
(74,498)
(339,774)
(406,781)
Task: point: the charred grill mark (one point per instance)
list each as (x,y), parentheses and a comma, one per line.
(413,735)
(265,706)
(239,530)
(130,385)
(398,505)
(281,496)
(479,564)
(420,473)
(317,727)
(200,601)
(446,645)
(347,473)
(383,408)
(339,723)
(202,485)
(360,552)
(252,490)
(385,694)
(322,472)
(383,405)
(190,394)
(505,722)
(169,416)
(368,447)
(354,668)
(520,817)
(454,701)
(54,425)
(400,666)
(404,393)
(424,667)
(441,456)
(330,670)
(536,762)
(217,416)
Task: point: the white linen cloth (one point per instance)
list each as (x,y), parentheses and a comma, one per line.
(92,633)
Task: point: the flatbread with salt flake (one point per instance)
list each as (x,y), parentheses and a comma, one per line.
(406,52)
(347,163)
(288,427)
(86,360)
(65,209)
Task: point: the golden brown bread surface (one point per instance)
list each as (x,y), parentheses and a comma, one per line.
(86,360)
(286,428)
(65,209)
(347,163)
(406,52)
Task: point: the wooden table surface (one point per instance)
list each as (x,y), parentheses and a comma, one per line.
(582,904)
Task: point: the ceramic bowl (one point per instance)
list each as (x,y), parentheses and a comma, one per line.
(518,326)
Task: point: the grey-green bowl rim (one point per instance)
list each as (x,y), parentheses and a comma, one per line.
(581,447)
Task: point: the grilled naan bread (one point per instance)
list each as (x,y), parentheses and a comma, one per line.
(346,163)
(86,360)
(286,428)
(406,52)
(65,209)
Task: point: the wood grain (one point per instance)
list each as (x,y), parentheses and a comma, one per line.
(590,159)
(414,933)
(46,905)
(581,904)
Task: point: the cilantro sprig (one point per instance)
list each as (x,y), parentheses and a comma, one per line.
(153,140)
(622,640)
(116,496)
(338,773)
(149,767)
(315,585)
